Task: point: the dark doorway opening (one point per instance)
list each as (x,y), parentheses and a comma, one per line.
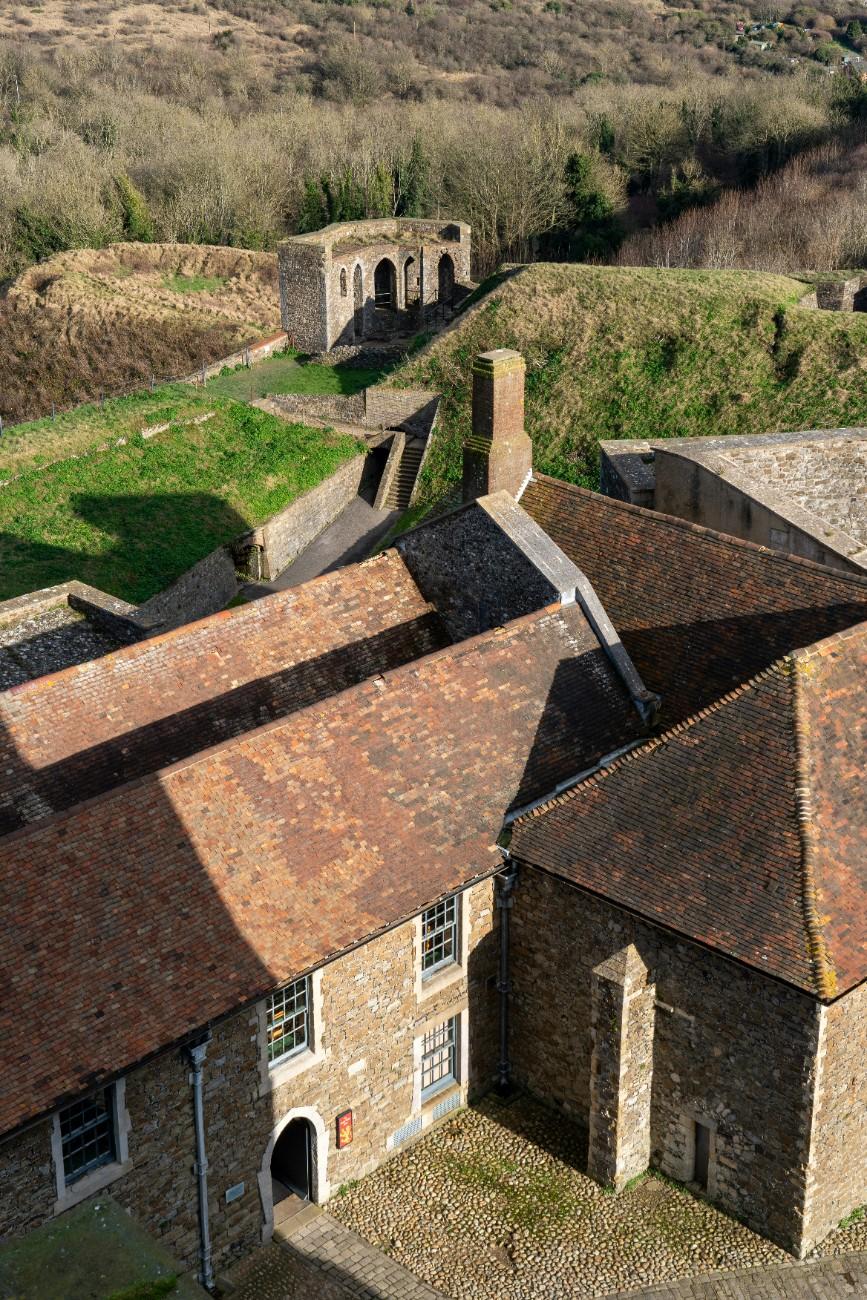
(446,280)
(859,302)
(357,303)
(292,1162)
(385,286)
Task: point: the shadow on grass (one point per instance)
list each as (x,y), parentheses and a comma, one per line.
(131,546)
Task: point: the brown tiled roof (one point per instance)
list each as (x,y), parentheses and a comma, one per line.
(744,828)
(168,902)
(699,612)
(67,737)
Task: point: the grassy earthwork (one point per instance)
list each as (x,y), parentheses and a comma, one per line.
(131,518)
(639,352)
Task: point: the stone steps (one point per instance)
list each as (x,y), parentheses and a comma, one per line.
(404,481)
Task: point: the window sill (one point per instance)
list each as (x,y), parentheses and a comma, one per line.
(287,1070)
(95,1181)
(440,1094)
(441,979)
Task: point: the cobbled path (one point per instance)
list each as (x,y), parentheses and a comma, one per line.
(839,1278)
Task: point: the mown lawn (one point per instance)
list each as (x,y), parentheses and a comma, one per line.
(285,373)
(622,352)
(131,519)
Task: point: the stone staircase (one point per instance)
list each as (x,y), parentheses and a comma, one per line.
(403,483)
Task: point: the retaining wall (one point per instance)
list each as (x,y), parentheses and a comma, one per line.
(266,551)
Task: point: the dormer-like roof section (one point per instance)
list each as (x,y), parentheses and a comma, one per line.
(77,733)
(172,901)
(699,612)
(744,828)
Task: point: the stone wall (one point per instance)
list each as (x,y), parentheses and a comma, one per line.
(414,409)
(203,589)
(246,356)
(327,278)
(732,1050)
(473,572)
(838,1182)
(266,551)
(370,1009)
(344,408)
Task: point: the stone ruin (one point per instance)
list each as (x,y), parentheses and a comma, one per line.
(362,280)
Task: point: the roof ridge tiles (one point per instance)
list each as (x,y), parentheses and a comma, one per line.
(377,682)
(248,610)
(700,530)
(824,974)
(607,767)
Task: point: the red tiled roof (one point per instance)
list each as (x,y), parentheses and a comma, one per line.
(67,737)
(699,612)
(169,902)
(744,828)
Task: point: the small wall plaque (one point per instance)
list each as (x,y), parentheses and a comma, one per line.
(344,1129)
(235,1193)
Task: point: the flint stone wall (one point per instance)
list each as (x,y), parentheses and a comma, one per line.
(371,1013)
(731,1050)
(318,278)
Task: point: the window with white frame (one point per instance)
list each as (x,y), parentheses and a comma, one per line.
(439,1057)
(87,1135)
(288,1021)
(439,936)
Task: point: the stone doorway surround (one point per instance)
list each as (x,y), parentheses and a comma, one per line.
(319,1186)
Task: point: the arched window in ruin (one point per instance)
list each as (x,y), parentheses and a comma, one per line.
(344,287)
(357,303)
(385,285)
(446,280)
(410,282)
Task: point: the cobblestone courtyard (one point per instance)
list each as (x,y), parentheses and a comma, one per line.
(495,1204)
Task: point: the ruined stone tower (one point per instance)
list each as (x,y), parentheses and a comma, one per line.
(498,454)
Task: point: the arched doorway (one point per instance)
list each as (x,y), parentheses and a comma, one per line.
(385,286)
(292,1162)
(357,303)
(410,282)
(446,280)
(298,1149)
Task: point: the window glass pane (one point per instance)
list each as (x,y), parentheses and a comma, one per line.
(438,1059)
(288,1020)
(439,935)
(87,1134)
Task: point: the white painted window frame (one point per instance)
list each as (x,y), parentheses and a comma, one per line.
(430,983)
(274,1074)
(103,1175)
(424,1105)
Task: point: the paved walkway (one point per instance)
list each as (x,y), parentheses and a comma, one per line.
(352,536)
(835,1278)
(362,1270)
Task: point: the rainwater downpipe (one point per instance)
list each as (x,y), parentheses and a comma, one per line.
(197,1054)
(506,881)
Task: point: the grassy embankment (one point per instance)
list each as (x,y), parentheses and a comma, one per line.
(621,352)
(130,519)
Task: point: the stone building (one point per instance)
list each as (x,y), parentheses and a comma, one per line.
(370,279)
(258,871)
(805,493)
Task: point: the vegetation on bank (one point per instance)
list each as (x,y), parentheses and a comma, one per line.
(130,519)
(287,372)
(619,352)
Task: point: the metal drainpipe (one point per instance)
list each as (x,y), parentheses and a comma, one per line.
(197,1054)
(506,882)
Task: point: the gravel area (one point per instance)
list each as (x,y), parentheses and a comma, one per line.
(47,642)
(495,1203)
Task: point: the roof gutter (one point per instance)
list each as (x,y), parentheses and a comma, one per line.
(572,781)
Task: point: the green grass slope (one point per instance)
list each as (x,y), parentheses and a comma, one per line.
(622,352)
(130,519)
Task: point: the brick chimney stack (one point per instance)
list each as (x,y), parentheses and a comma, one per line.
(498,454)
